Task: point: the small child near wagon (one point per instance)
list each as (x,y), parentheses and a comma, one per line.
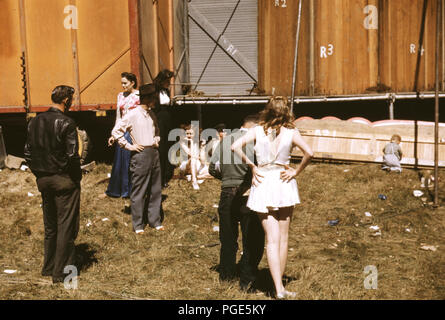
(392,154)
(192,166)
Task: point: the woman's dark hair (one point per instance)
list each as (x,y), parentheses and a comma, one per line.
(60,93)
(130,77)
(162,76)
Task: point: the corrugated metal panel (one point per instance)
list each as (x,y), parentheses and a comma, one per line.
(242,33)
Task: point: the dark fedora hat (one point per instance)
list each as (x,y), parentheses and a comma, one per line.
(147,90)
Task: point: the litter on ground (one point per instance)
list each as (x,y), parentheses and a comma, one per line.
(30,194)
(375,228)
(216,228)
(429,248)
(9,271)
(417,193)
(368,214)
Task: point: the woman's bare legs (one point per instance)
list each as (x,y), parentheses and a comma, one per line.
(284,218)
(193,168)
(272,229)
(276,227)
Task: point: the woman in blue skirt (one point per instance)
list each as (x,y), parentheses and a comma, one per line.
(120,184)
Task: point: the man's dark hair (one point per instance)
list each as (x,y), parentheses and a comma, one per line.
(220,127)
(60,93)
(255,118)
(149,99)
(130,77)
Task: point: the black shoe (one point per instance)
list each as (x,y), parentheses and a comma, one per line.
(248,287)
(227,278)
(58,280)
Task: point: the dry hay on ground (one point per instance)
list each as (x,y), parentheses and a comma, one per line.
(181,263)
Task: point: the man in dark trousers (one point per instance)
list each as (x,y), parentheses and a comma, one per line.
(145,168)
(236,180)
(52,154)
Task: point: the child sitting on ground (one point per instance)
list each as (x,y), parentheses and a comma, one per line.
(392,154)
(191,164)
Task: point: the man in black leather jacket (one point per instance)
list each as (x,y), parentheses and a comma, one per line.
(51,152)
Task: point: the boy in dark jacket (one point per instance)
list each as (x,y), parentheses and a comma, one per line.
(236,180)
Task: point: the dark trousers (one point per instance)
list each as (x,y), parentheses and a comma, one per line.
(232,210)
(61,204)
(165,125)
(166,167)
(146,190)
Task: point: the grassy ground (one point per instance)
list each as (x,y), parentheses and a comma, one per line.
(180,263)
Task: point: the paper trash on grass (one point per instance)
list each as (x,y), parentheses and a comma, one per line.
(429,248)
(417,193)
(23,167)
(109,175)
(30,194)
(375,228)
(215,206)
(89,224)
(378,233)
(216,228)
(368,214)
(347,170)
(408,230)
(9,271)
(105,219)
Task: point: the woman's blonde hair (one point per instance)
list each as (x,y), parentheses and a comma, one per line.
(396,138)
(277,114)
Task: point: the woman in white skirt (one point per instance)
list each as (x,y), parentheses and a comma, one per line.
(274,191)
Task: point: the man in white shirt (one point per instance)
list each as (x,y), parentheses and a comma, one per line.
(145,167)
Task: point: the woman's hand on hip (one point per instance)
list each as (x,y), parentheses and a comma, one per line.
(136,147)
(288,174)
(256,176)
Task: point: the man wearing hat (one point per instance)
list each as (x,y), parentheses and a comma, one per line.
(145,169)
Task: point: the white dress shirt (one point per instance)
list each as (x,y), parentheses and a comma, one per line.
(140,126)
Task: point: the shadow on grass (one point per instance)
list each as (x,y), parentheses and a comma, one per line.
(263,283)
(85,257)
